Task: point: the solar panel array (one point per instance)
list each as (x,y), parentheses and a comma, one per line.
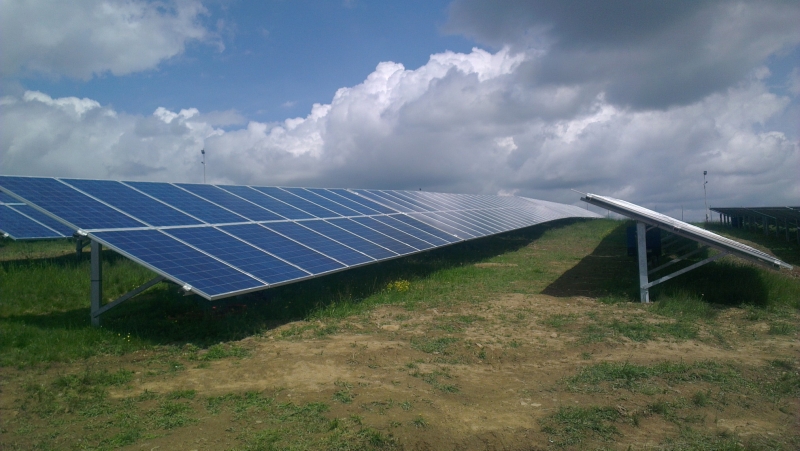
(20,221)
(684,229)
(223,240)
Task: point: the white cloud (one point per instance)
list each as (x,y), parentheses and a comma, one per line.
(90,37)
(461,123)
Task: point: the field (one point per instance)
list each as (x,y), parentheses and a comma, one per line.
(530,340)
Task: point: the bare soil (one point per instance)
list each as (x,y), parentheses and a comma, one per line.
(471,376)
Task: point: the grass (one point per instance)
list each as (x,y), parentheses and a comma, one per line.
(44,319)
(573,425)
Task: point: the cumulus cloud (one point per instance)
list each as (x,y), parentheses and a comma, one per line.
(460,123)
(91,37)
(648,55)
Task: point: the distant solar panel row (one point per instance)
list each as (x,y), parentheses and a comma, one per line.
(20,221)
(222,240)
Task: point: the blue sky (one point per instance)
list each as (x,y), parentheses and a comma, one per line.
(274,59)
(531,97)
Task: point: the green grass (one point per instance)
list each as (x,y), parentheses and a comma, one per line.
(45,290)
(573,425)
(44,317)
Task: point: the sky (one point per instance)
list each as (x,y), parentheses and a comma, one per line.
(535,98)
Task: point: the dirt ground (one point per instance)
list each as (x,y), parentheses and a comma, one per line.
(479,376)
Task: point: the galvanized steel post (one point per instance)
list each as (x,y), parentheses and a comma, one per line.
(641,245)
(97,282)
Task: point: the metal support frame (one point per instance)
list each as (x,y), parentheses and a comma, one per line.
(644,283)
(97,307)
(641,245)
(681,258)
(80,243)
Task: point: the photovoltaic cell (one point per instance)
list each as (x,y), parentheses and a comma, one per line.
(284,248)
(270,203)
(387,203)
(233,203)
(413,231)
(323,202)
(37,215)
(374,236)
(66,203)
(434,220)
(21,227)
(6,199)
(362,200)
(319,243)
(132,202)
(187,202)
(394,233)
(298,202)
(330,195)
(239,254)
(444,236)
(182,263)
(349,239)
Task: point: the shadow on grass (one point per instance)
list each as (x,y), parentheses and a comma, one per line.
(162,315)
(609,272)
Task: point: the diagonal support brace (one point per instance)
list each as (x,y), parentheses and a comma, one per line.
(685,270)
(677,259)
(126,296)
(97,307)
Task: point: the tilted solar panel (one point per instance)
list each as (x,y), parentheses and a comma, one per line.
(223,240)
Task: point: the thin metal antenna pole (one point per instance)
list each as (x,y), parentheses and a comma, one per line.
(705,198)
(203,152)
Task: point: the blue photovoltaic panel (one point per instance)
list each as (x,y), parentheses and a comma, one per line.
(271,204)
(469,218)
(298,202)
(187,202)
(239,254)
(132,202)
(328,194)
(284,248)
(180,262)
(20,227)
(417,204)
(66,203)
(449,238)
(362,200)
(6,199)
(236,204)
(319,243)
(467,226)
(433,220)
(323,202)
(349,239)
(374,236)
(394,233)
(413,231)
(426,204)
(38,216)
(227,240)
(388,202)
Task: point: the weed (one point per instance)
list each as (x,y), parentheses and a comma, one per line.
(343,396)
(572,425)
(433,345)
(701,399)
(781,328)
(559,321)
(419,422)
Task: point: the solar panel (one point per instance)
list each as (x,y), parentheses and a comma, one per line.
(223,240)
(20,221)
(684,229)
